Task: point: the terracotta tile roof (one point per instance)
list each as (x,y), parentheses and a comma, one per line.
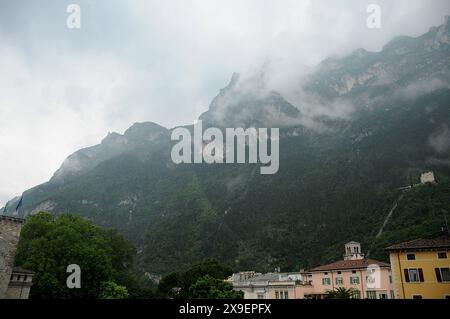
(441,241)
(350,264)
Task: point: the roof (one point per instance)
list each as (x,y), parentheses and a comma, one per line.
(272,276)
(264,277)
(20,270)
(440,241)
(12,219)
(350,264)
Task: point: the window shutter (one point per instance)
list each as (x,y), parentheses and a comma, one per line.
(406,275)
(438,274)
(421,275)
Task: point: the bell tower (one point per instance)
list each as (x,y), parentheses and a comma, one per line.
(353,251)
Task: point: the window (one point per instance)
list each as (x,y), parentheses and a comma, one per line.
(411,256)
(417,297)
(339,281)
(326,281)
(392,294)
(371,294)
(383,296)
(261,296)
(445,273)
(390,279)
(339,272)
(353,271)
(277,295)
(356,294)
(354,280)
(286,295)
(442,255)
(325,273)
(442,274)
(414,275)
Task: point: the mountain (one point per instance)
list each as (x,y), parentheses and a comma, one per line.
(140,135)
(402,62)
(340,172)
(248,103)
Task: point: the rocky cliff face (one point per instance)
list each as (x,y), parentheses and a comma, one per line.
(248,103)
(113,145)
(402,61)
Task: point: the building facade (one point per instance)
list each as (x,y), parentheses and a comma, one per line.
(421,268)
(366,278)
(15,283)
(19,284)
(268,286)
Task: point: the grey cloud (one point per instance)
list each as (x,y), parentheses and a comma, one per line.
(440,140)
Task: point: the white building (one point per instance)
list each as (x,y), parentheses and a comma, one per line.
(268,286)
(427,177)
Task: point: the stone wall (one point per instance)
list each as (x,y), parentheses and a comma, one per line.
(9,237)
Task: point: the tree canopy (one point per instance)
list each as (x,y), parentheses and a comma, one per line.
(204,280)
(49,244)
(208,287)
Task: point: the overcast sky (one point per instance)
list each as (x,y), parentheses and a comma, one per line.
(163,61)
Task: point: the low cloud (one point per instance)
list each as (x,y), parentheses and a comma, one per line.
(440,140)
(423,87)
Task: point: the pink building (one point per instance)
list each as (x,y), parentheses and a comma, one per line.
(367,278)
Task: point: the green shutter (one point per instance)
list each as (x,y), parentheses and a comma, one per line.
(438,274)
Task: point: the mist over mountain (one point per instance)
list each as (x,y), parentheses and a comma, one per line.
(355,130)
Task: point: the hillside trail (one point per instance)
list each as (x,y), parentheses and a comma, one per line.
(386,221)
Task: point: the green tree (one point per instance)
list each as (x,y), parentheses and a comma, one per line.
(208,287)
(340,293)
(178,284)
(111,290)
(49,244)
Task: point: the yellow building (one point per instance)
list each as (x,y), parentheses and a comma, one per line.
(421,268)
